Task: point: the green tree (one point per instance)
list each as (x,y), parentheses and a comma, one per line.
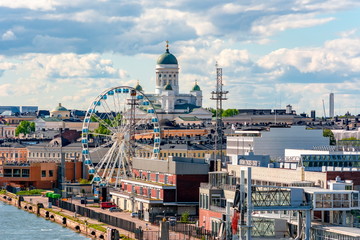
(25,127)
(328,133)
(103,126)
(185,217)
(230,112)
(213,111)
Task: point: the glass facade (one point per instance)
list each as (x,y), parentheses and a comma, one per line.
(330,160)
(336,200)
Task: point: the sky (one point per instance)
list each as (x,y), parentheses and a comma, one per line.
(273,53)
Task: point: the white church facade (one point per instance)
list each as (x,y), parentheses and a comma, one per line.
(167,100)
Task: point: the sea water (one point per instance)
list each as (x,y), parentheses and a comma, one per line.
(17,224)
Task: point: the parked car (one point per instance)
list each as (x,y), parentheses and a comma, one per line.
(107,205)
(134,214)
(172,220)
(115,209)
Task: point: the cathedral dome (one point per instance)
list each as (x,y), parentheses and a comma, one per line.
(196,87)
(167,57)
(59,108)
(138,87)
(168,87)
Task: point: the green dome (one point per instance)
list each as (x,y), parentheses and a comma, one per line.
(167,58)
(168,87)
(60,108)
(138,87)
(196,88)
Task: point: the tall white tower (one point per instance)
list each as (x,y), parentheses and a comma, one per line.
(167,72)
(331,105)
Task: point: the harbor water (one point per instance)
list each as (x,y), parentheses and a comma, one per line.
(16,224)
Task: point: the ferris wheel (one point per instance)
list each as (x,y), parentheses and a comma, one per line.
(120,124)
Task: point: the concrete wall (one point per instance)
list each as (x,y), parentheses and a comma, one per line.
(280,175)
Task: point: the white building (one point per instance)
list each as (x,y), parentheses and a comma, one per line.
(167,100)
(273,142)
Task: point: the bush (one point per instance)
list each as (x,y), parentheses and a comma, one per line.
(31,192)
(185,217)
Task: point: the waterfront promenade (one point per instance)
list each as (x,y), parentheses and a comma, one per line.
(123,215)
(87,226)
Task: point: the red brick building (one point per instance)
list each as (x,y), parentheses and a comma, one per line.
(162,187)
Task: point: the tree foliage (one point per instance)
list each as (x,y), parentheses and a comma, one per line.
(185,217)
(230,112)
(328,133)
(25,127)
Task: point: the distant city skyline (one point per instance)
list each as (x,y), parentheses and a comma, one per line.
(272,54)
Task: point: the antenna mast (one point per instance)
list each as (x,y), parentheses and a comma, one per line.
(219,95)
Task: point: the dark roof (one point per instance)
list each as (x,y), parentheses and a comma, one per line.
(186,106)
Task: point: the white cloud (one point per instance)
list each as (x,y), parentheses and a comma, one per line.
(8,35)
(269,25)
(42,5)
(6,90)
(70,65)
(339,55)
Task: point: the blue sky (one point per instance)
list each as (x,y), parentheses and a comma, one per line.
(273,53)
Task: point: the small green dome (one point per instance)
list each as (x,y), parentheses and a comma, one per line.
(60,108)
(168,87)
(138,87)
(167,58)
(196,88)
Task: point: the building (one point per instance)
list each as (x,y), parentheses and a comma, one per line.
(17,119)
(54,123)
(167,100)
(162,188)
(324,160)
(60,112)
(273,206)
(313,114)
(51,152)
(274,142)
(331,105)
(13,152)
(7,131)
(38,175)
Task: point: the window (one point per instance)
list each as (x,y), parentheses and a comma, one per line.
(43,173)
(25,173)
(51,173)
(157,177)
(16,172)
(166,179)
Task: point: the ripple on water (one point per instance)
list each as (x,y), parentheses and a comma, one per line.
(18,224)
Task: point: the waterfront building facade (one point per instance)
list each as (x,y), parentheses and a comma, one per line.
(162,188)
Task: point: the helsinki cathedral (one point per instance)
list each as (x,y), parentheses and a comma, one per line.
(167,100)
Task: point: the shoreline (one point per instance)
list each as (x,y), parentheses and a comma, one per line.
(75,224)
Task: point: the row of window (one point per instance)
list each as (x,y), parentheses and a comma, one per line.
(50,173)
(141,192)
(16,172)
(12,155)
(204,201)
(147,176)
(48,154)
(331,164)
(164,75)
(8,133)
(180,154)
